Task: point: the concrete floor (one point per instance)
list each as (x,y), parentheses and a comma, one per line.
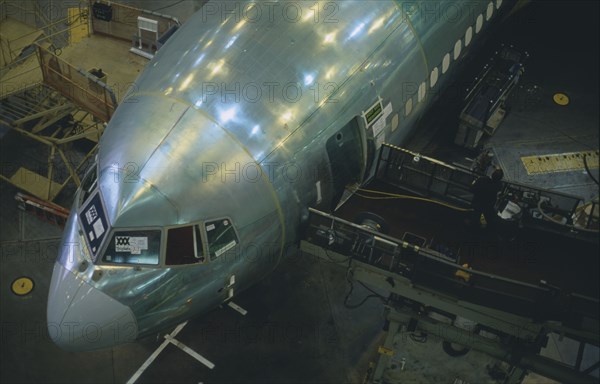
(297,329)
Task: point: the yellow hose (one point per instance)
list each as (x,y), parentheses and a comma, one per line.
(388,196)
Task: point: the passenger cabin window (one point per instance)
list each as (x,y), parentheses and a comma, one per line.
(478,23)
(446,63)
(133,247)
(433,78)
(490,11)
(184,246)
(457,49)
(468,36)
(221,237)
(421,92)
(408,107)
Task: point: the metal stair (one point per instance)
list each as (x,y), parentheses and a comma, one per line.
(33,109)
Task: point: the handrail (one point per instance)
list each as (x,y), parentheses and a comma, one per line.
(430,159)
(427,253)
(424,269)
(162,15)
(459,180)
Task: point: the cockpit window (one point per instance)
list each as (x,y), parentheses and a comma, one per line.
(184,246)
(133,247)
(221,237)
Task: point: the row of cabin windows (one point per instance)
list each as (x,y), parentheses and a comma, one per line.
(434,76)
(185,245)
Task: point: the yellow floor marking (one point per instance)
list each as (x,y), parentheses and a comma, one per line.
(560,162)
(22,286)
(561,99)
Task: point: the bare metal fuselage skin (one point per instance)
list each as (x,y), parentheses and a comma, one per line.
(236,118)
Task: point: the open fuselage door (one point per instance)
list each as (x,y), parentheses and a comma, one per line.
(348,153)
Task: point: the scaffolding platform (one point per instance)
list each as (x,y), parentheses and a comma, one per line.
(65,87)
(405,233)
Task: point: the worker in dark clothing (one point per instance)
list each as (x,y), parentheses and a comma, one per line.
(485,193)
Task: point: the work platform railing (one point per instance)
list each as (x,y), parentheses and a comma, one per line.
(431,269)
(66,91)
(77,85)
(520,205)
(424,285)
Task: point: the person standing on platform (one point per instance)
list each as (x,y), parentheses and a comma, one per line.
(485,194)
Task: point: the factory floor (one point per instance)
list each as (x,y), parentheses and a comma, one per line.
(297,328)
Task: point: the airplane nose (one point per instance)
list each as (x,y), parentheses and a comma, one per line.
(81,317)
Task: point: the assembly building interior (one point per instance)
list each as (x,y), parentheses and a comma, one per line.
(401,275)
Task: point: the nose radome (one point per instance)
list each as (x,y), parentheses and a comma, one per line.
(83,318)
